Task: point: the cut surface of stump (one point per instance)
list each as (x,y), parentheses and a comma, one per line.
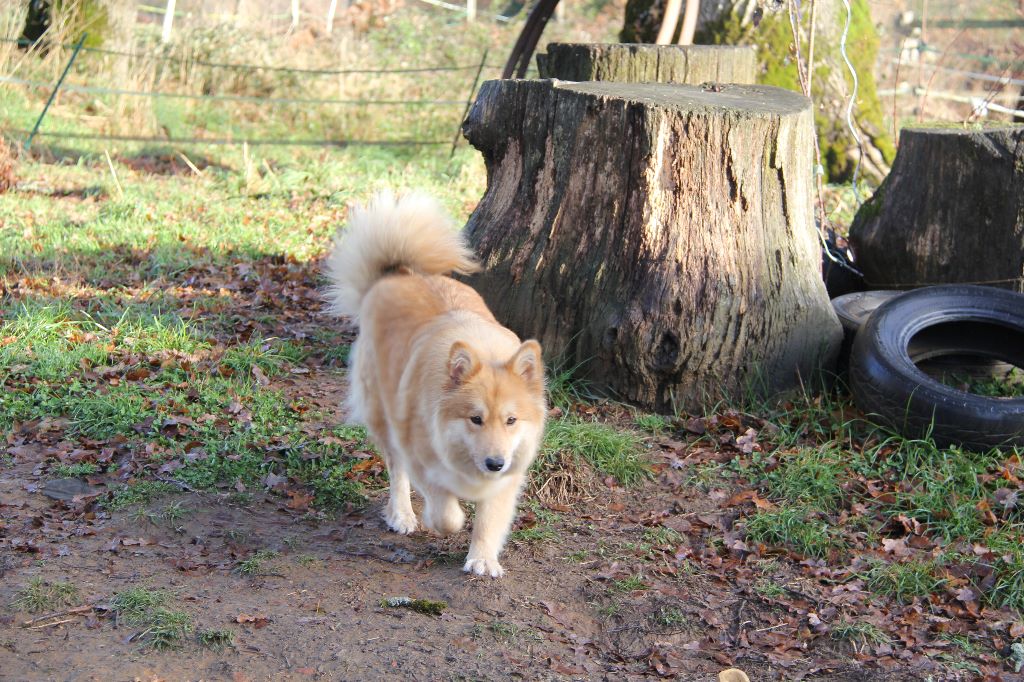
(950,212)
(624,63)
(659,236)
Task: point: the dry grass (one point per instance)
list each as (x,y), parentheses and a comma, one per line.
(559,478)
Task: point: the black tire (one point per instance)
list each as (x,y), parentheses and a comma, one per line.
(854,309)
(956,320)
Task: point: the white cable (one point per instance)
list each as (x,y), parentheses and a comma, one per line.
(851,100)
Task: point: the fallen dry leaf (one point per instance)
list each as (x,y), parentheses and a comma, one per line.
(256,621)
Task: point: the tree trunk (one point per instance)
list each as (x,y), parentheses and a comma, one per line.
(37,20)
(766,25)
(659,235)
(951,211)
(648,63)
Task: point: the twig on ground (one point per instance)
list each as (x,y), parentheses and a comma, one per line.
(50,625)
(58,614)
(113,173)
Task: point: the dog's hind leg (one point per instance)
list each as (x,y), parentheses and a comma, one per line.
(399,514)
(493,520)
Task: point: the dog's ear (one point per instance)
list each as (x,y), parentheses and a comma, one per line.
(462,363)
(527,363)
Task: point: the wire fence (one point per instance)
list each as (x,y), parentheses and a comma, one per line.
(251,141)
(152,56)
(239,139)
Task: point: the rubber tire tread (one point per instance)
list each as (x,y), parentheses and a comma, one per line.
(886,383)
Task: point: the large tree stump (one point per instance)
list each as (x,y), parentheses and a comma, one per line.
(951,211)
(693,64)
(659,235)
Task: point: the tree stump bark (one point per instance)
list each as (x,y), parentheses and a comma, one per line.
(951,211)
(660,236)
(693,65)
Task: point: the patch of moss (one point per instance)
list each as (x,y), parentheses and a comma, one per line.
(428,607)
(873,207)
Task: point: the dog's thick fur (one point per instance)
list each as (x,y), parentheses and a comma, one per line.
(453,400)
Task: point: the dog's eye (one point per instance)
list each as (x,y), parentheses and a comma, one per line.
(510,421)
(477,419)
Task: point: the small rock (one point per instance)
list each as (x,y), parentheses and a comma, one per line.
(68,489)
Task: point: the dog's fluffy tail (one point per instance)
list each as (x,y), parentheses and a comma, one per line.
(389,234)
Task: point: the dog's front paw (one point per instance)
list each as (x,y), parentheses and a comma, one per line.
(400,522)
(482,566)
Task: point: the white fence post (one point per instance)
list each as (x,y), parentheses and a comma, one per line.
(165,35)
(295,14)
(331,10)
(470,10)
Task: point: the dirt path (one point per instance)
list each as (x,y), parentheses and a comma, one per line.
(569,607)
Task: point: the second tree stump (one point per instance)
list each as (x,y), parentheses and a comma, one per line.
(661,236)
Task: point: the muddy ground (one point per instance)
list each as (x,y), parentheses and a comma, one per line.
(563,611)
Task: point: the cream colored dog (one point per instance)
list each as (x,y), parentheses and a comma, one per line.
(453,401)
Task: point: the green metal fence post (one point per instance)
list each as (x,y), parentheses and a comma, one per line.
(469,99)
(60,81)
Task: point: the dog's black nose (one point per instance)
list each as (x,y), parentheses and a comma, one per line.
(494,463)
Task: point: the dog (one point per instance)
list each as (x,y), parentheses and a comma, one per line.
(453,401)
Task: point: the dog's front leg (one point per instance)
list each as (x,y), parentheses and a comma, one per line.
(491,525)
(442,512)
(399,515)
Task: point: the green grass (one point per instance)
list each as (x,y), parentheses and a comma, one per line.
(157,626)
(270,356)
(661,537)
(859,633)
(768,588)
(564,385)
(256,564)
(165,629)
(138,494)
(610,451)
(543,530)
(633,583)
(903,580)
(655,423)
(509,633)
(174,512)
(670,617)
(73,470)
(39,595)
(795,527)
(133,605)
(1009,386)
(814,463)
(809,476)
(307,560)
(216,639)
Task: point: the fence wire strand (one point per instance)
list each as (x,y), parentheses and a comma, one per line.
(252,67)
(98,90)
(230,141)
